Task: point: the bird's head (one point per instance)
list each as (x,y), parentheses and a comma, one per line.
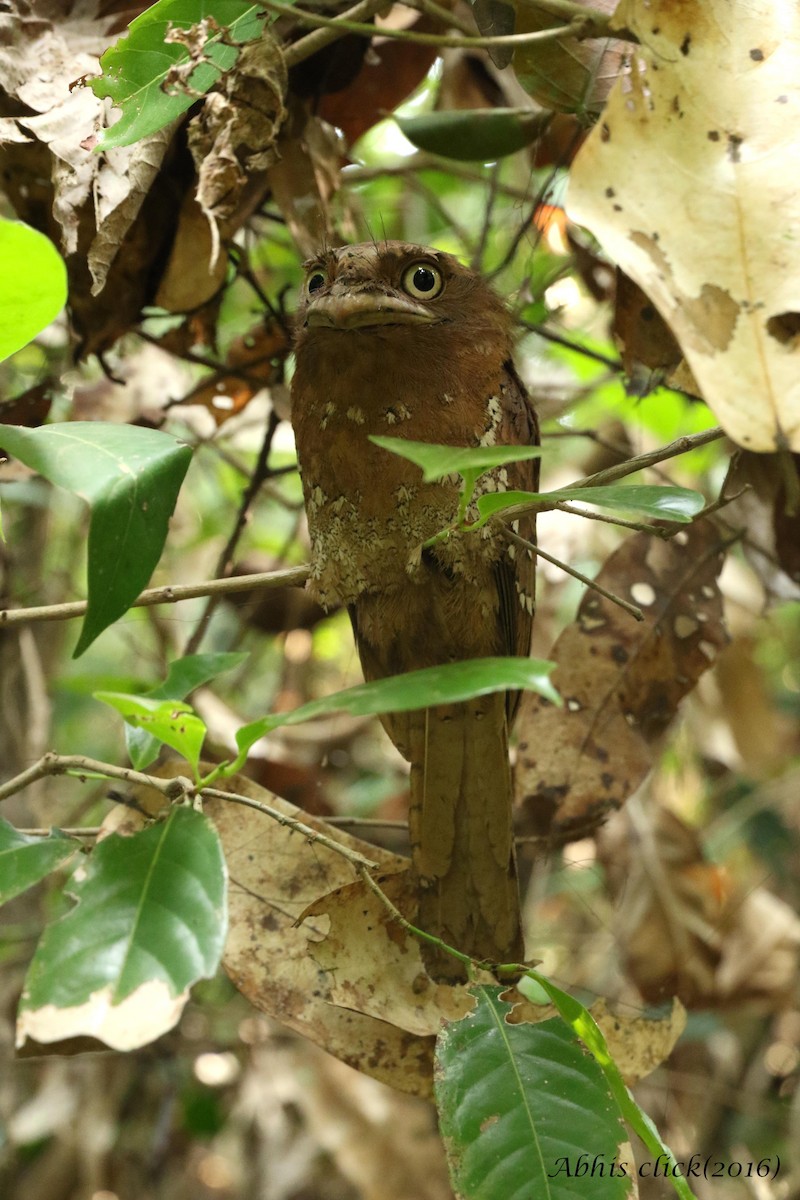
(381,286)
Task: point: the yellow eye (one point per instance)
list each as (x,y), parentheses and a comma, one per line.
(422,281)
(315,280)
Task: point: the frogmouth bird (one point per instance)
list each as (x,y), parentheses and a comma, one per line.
(403,340)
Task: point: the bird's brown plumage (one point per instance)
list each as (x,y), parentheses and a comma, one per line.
(382,350)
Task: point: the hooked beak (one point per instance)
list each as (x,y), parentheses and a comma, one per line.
(364,310)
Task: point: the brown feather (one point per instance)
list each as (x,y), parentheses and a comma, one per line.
(372,359)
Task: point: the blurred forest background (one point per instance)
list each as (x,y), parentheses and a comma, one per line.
(690,890)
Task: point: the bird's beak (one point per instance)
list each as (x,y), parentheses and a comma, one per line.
(365,309)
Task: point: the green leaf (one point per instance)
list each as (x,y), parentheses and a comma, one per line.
(584,1025)
(26,860)
(150,920)
(474,135)
(183,676)
(522,1108)
(136,67)
(169,721)
(448,684)
(439,461)
(659,503)
(130,477)
(33,285)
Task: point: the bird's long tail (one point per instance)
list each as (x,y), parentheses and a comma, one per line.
(461,833)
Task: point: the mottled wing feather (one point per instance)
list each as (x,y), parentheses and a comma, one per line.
(516,576)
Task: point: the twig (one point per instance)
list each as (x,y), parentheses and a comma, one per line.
(580,27)
(432,9)
(640,526)
(550,336)
(557,562)
(169,594)
(681,445)
(311,835)
(301,50)
(87,831)
(260,473)
(80,765)
(428,162)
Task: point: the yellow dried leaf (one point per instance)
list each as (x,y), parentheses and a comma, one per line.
(689,181)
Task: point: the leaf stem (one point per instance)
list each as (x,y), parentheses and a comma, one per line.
(580,26)
(357,860)
(557,562)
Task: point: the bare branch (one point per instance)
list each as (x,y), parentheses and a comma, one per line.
(170,594)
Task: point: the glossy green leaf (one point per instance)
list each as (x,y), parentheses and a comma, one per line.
(474,135)
(130,477)
(172,722)
(439,461)
(659,503)
(183,676)
(33,285)
(523,1107)
(135,69)
(448,684)
(586,1028)
(150,919)
(26,860)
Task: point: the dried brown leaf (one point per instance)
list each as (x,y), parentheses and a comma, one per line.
(234,134)
(698,143)
(567,75)
(684,926)
(621,681)
(305,178)
(376,966)
(766,488)
(275,875)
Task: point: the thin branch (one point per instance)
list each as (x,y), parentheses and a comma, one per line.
(225,560)
(580,27)
(557,562)
(640,526)
(432,9)
(306,831)
(170,594)
(83,767)
(428,162)
(681,445)
(551,336)
(620,470)
(301,50)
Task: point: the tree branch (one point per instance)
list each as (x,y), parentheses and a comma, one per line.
(169,594)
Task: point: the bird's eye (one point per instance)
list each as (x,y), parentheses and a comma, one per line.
(423,282)
(315,281)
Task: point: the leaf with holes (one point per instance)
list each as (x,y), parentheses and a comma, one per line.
(184,675)
(139,68)
(621,681)
(26,860)
(521,1107)
(130,478)
(149,920)
(172,722)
